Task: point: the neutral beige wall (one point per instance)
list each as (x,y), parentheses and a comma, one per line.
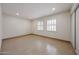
(0,26)
(14,26)
(63,26)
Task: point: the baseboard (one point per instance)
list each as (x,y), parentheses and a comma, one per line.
(17,36)
(51,37)
(37,35)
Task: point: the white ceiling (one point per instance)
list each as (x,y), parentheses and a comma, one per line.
(34,10)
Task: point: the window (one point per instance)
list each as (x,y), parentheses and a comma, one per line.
(51,25)
(40,25)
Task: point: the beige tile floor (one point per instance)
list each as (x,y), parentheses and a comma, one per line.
(36,45)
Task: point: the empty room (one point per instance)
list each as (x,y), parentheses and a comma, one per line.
(39,28)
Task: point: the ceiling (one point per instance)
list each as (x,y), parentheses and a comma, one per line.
(34,10)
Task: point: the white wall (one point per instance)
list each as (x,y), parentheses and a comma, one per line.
(14,26)
(74,26)
(0,26)
(73,29)
(63,26)
(77,31)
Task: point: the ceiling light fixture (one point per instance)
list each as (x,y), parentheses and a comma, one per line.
(53,9)
(17,14)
